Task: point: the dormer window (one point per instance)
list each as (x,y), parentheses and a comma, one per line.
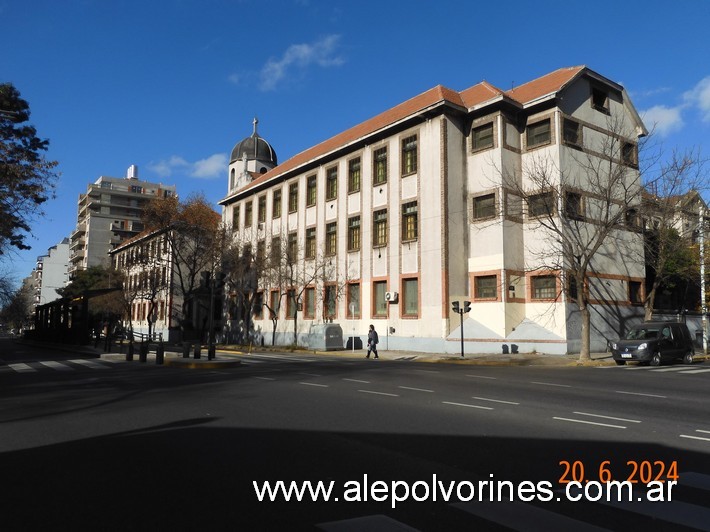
(600,100)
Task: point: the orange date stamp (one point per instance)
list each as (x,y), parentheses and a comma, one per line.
(633,471)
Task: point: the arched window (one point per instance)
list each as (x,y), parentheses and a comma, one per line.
(231,178)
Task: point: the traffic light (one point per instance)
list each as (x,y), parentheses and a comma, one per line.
(467,306)
(455,305)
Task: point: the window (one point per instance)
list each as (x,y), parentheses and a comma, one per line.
(292,251)
(311,243)
(329,302)
(571,132)
(309,309)
(486,287)
(261,215)
(380,307)
(311,191)
(379,228)
(484,206)
(258,307)
(572,287)
(235,217)
(260,251)
(331,238)
(291,307)
(409,155)
(629,154)
(631,218)
(293,197)
(409,221)
(544,287)
(538,133)
(540,205)
(354,175)
(232,179)
(276,204)
(354,233)
(379,170)
(573,206)
(275,249)
(635,293)
(248,207)
(410,297)
(353,296)
(331,183)
(600,100)
(275,303)
(482,137)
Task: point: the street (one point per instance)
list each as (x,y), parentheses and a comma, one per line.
(129,446)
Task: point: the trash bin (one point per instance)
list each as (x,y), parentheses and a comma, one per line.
(325,337)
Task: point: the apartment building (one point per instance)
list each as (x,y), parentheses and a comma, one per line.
(418,208)
(51,273)
(109,213)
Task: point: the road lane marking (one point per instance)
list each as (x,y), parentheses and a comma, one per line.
(607,417)
(467,405)
(21,367)
(264,378)
(379,393)
(416,389)
(551,384)
(57,366)
(495,400)
(88,363)
(694,437)
(642,394)
(589,422)
(310,374)
(704,431)
(358,381)
(483,377)
(688,371)
(314,384)
(672,368)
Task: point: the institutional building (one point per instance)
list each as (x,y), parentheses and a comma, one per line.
(418,208)
(108,214)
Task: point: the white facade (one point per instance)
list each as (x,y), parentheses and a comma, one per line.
(414,206)
(51,273)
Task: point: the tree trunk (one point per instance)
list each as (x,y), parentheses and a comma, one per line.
(584,354)
(295,328)
(648,304)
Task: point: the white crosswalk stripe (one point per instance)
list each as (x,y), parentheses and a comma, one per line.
(58,366)
(89,363)
(21,367)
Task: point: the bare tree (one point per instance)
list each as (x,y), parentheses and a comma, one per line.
(583,211)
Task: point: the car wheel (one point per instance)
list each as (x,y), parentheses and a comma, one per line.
(688,358)
(655,359)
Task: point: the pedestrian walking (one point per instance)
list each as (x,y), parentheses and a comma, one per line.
(372,341)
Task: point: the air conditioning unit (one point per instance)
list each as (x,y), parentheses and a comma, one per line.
(391,297)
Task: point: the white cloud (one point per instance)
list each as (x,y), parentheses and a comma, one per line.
(208,168)
(322,53)
(699,96)
(663,120)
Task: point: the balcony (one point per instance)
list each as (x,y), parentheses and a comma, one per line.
(80,230)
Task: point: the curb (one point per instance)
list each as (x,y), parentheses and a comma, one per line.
(191,363)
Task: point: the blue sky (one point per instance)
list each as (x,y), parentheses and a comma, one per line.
(172,85)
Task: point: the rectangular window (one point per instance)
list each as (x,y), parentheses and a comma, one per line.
(353,296)
(276,204)
(311,243)
(484,206)
(538,133)
(379,170)
(573,205)
(235,217)
(309,309)
(292,251)
(329,302)
(482,137)
(291,306)
(379,228)
(410,297)
(275,249)
(354,175)
(331,238)
(275,303)
(379,289)
(540,205)
(311,191)
(258,306)
(293,197)
(409,221)
(409,155)
(260,251)
(248,208)
(571,132)
(635,293)
(629,154)
(261,215)
(354,233)
(544,287)
(600,100)
(331,183)
(486,287)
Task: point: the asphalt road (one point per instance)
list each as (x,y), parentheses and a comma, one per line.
(90,444)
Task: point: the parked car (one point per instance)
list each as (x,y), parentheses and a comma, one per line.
(653,343)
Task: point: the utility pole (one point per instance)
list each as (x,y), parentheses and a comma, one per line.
(703,305)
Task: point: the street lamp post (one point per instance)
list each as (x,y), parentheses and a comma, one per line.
(703,306)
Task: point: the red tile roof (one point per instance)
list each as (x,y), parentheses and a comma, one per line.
(467,99)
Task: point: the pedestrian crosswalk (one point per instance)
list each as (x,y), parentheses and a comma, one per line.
(679,369)
(62,365)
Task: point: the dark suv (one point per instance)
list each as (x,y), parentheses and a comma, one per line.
(653,342)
